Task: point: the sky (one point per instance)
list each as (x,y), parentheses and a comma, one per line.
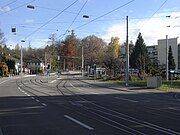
(35,25)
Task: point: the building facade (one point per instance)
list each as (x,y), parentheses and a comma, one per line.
(173,42)
(153,54)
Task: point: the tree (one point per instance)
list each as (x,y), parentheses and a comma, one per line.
(93,50)
(171,63)
(69,51)
(112,55)
(139,58)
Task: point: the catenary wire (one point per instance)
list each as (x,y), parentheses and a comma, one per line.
(17,7)
(50,19)
(104,14)
(75,17)
(9,3)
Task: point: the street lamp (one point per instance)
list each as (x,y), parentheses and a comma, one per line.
(85,16)
(167,50)
(22,58)
(30,7)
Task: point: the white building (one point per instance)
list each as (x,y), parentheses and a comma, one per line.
(173,42)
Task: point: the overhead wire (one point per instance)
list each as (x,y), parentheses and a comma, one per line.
(9,3)
(75,18)
(18,7)
(102,20)
(104,14)
(51,19)
(153,14)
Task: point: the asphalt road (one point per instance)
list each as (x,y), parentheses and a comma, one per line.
(37,105)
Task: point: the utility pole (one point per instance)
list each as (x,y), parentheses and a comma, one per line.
(127,54)
(167,62)
(21,62)
(82,68)
(64,64)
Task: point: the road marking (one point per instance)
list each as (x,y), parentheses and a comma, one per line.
(53,81)
(174,108)
(4,81)
(93,93)
(32,98)
(37,100)
(78,122)
(134,101)
(1,133)
(43,104)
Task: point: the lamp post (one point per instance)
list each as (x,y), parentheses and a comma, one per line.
(127,54)
(167,62)
(22,58)
(167,50)
(82,68)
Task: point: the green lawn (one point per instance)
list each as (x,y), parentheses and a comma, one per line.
(166,85)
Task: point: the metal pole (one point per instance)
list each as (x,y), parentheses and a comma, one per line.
(58,66)
(82,68)
(167,62)
(64,64)
(127,54)
(21,61)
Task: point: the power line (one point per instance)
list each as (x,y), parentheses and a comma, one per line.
(155,13)
(105,14)
(17,7)
(51,19)
(36,28)
(76,17)
(9,3)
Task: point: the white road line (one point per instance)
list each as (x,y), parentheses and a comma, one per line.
(53,81)
(37,100)
(4,81)
(134,101)
(174,108)
(78,122)
(32,98)
(43,104)
(93,93)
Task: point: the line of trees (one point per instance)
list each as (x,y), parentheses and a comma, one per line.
(108,55)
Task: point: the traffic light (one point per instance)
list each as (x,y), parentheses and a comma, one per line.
(13,29)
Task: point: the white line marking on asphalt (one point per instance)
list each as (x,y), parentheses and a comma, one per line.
(134,101)
(1,133)
(174,108)
(32,98)
(4,81)
(43,104)
(37,100)
(78,122)
(53,81)
(94,93)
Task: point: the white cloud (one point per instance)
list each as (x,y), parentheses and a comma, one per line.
(5,9)
(151,29)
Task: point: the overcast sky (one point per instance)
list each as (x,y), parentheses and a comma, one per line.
(145,16)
